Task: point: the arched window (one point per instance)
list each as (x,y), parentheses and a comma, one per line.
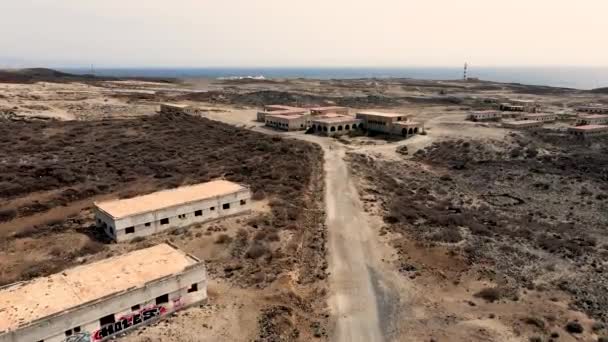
(339,127)
(333,129)
(404,132)
(347,127)
(411,131)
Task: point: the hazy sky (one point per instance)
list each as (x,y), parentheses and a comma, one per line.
(203,33)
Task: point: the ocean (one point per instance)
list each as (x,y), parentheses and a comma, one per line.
(570,77)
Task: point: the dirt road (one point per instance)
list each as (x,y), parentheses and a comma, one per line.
(353,299)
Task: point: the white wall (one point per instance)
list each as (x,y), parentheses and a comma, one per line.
(153,218)
(87,316)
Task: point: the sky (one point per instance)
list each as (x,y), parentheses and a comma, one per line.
(283,33)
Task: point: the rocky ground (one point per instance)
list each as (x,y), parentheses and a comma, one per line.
(527,214)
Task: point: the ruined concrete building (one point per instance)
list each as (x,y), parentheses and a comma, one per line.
(518,105)
(335,124)
(593,109)
(484,115)
(522,124)
(595,119)
(543,117)
(390,123)
(288,122)
(174,108)
(97,301)
(126,219)
(587,131)
(280,110)
(329,110)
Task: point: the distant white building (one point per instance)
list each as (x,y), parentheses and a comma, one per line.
(98,301)
(126,219)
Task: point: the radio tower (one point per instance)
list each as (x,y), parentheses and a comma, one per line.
(464,77)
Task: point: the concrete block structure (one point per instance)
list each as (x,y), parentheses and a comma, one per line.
(588,131)
(594,119)
(522,124)
(280,110)
(126,219)
(518,105)
(335,124)
(390,123)
(593,109)
(97,301)
(288,122)
(329,110)
(484,115)
(174,108)
(543,117)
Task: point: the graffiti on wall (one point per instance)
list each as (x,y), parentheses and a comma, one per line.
(128,322)
(79,337)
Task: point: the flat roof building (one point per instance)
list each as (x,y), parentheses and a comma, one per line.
(522,124)
(390,123)
(175,108)
(544,117)
(588,130)
(484,115)
(593,109)
(288,122)
(594,119)
(280,110)
(126,219)
(97,301)
(335,124)
(328,110)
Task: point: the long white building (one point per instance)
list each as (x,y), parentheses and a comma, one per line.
(97,301)
(126,219)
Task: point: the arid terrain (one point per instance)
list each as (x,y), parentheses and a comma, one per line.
(471,232)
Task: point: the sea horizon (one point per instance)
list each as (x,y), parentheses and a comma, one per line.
(569,77)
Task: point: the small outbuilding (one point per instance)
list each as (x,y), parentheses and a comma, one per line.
(125,219)
(101,300)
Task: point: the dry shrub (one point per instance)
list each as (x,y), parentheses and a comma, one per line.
(223,239)
(256,250)
(7,214)
(490,294)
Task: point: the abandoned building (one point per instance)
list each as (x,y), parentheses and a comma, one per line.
(593,109)
(280,110)
(335,124)
(587,131)
(140,216)
(328,110)
(594,119)
(529,106)
(484,115)
(174,108)
(288,122)
(97,301)
(522,124)
(543,117)
(390,123)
